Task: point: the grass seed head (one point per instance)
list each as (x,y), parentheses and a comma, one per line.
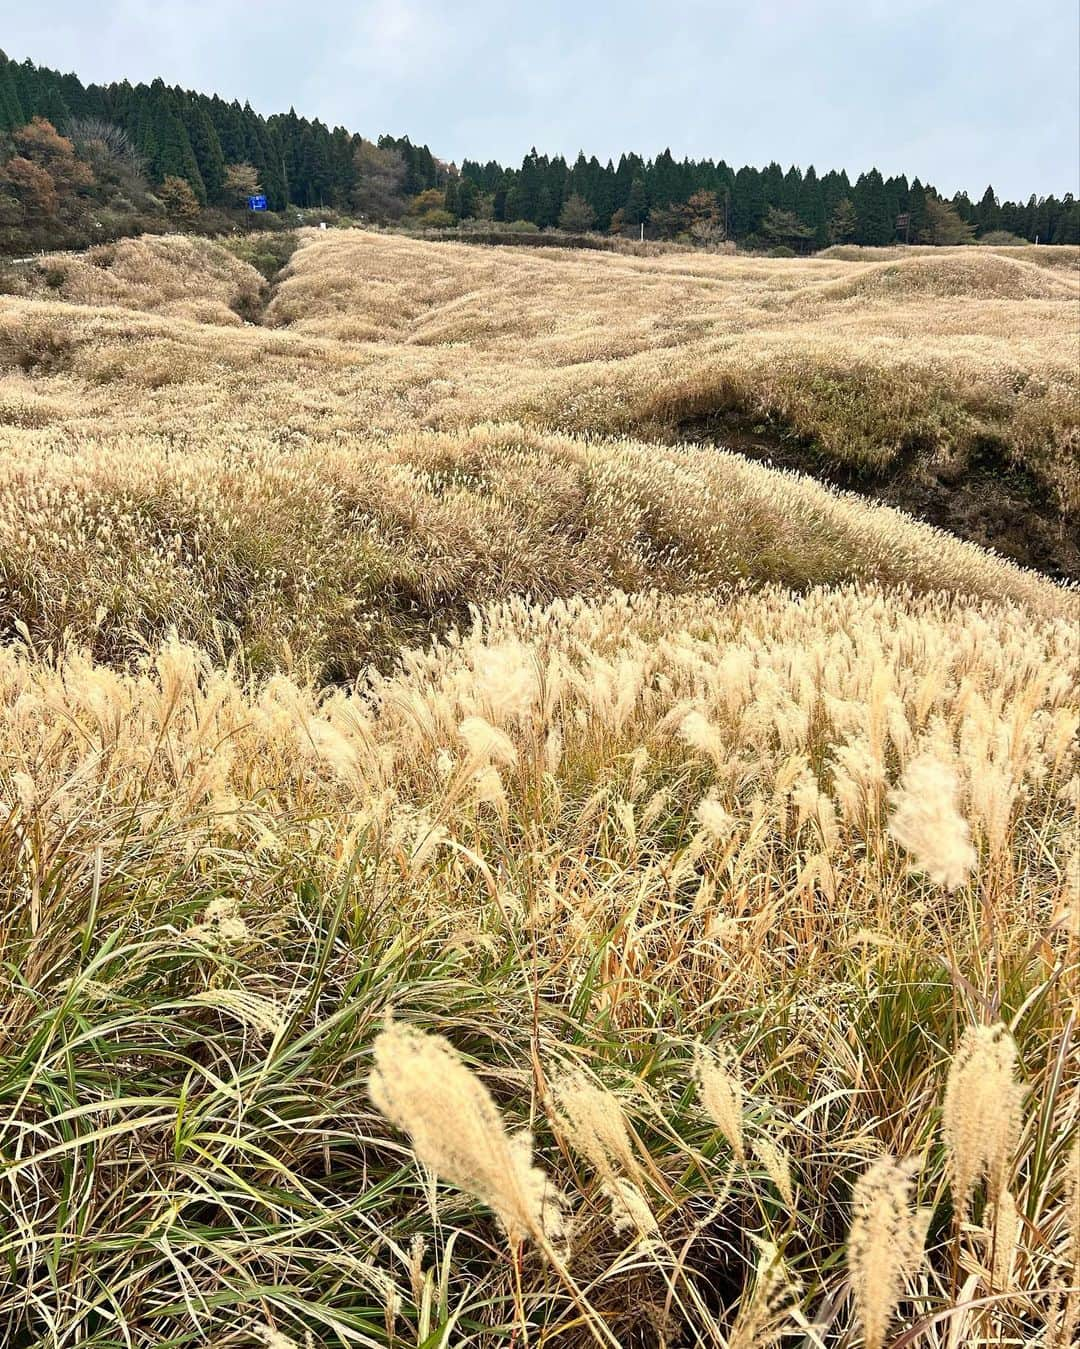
(926,822)
(720,1091)
(885,1243)
(981,1111)
(422,1085)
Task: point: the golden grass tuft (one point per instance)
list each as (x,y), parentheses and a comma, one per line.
(719,1086)
(422,1086)
(173,275)
(926,822)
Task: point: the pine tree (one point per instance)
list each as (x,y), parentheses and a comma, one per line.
(747,203)
(546,213)
(229,124)
(916,206)
(11,113)
(173,156)
(321,175)
(944,223)
(557,182)
(52,106)
(785,228)
(205,146)
(636,206)
(1067,227)
(663,181)
(526,197)
(843,223)
(810,207)
(791,190)
(988,212)
(772,185)
(577,215)
(602,197)
(876,223)
(342,166)
(466,199)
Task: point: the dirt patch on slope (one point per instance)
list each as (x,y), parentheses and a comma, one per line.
(989,500)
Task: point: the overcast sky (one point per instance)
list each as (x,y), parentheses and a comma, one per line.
(961,94)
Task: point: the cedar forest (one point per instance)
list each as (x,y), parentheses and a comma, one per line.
(85,163)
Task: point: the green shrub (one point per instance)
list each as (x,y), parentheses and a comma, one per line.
(436,220)
(1003,239)
(267,253)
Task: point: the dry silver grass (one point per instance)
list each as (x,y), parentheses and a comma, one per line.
(630,1211)
(138,449)
(720,1090)
(1064,1320)
(1003,1222)
(885,1243)
(1063,1312)
(765,1314)
(270,1337)
(351,497)
(174,275)
(417,1276)
(486,743)
(347,523)
(776,1160)
(925,820)
(422,1085)
(981,1112)
(717,823)
(592,1120)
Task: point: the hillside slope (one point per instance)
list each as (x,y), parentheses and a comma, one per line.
(946,385)
(390,445)
(477,867)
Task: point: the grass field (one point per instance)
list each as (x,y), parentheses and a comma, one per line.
(481,870)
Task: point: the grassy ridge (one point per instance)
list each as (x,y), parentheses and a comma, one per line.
(940,356)
(332,557)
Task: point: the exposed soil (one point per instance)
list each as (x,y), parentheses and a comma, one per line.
(990,501)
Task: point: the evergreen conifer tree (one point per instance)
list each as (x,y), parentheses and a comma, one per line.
(636,206)
(876,222)
(205,146)
(11,113)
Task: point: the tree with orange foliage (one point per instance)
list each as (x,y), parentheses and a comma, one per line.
(179,199)
(43,187)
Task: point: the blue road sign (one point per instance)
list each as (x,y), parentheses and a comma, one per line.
(257,203)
